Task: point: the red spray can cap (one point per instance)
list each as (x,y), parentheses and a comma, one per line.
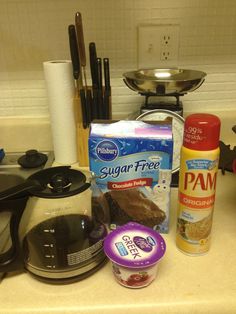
(201,131)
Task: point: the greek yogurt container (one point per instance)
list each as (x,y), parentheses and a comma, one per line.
(135,251)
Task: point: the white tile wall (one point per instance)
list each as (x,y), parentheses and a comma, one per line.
(33,31)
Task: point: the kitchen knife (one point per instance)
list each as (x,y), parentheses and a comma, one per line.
(106,67)
(99,73)
(81,46)
(100,91)
(89,106)
(83,107)
(95,108)
(107,90)
(94,77)
(93,65)
(74,55)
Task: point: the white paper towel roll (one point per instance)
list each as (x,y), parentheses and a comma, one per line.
(61,91)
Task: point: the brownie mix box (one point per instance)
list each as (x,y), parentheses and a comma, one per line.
(132,162)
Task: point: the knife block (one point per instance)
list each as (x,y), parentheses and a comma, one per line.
(83,133)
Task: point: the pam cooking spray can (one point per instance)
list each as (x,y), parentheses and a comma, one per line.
(197,182)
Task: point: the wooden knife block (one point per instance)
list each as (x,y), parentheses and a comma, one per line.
(83,134)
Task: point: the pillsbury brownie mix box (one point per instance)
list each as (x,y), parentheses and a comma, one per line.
(132,162)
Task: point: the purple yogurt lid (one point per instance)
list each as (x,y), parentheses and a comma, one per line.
(134,246)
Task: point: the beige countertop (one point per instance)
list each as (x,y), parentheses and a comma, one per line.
(203,284)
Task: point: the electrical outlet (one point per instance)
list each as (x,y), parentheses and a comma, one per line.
(158,45)
(166,47)
(169,43)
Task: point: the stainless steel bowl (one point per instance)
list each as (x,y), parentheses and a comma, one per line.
(164,81)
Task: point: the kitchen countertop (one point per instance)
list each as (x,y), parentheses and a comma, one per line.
(185,284)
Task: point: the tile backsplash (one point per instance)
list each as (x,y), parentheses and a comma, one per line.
(34,31)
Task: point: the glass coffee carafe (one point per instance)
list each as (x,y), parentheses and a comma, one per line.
(56,236)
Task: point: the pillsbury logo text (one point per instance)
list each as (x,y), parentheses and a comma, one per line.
(107,150)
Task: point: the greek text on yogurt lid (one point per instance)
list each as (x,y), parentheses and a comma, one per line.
(134,245)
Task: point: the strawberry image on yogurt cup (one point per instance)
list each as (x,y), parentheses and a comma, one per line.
(134,251)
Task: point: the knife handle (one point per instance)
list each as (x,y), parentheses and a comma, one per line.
(95,109)
(74,51)
(99,73)
(106,104)
(89,106)
(80,38)
(106,67)
(93,65)
(83,108)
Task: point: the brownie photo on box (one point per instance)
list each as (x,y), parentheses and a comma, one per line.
(133,205)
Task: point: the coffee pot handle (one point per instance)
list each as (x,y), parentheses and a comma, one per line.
(13,201)
(20,190)
(12,259)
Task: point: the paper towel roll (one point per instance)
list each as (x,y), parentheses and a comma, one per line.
(61,91)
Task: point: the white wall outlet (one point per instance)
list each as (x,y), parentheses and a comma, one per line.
(158,46)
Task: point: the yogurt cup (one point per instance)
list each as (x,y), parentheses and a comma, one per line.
(135,251)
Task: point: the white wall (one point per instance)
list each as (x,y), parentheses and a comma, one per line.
(33,31)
